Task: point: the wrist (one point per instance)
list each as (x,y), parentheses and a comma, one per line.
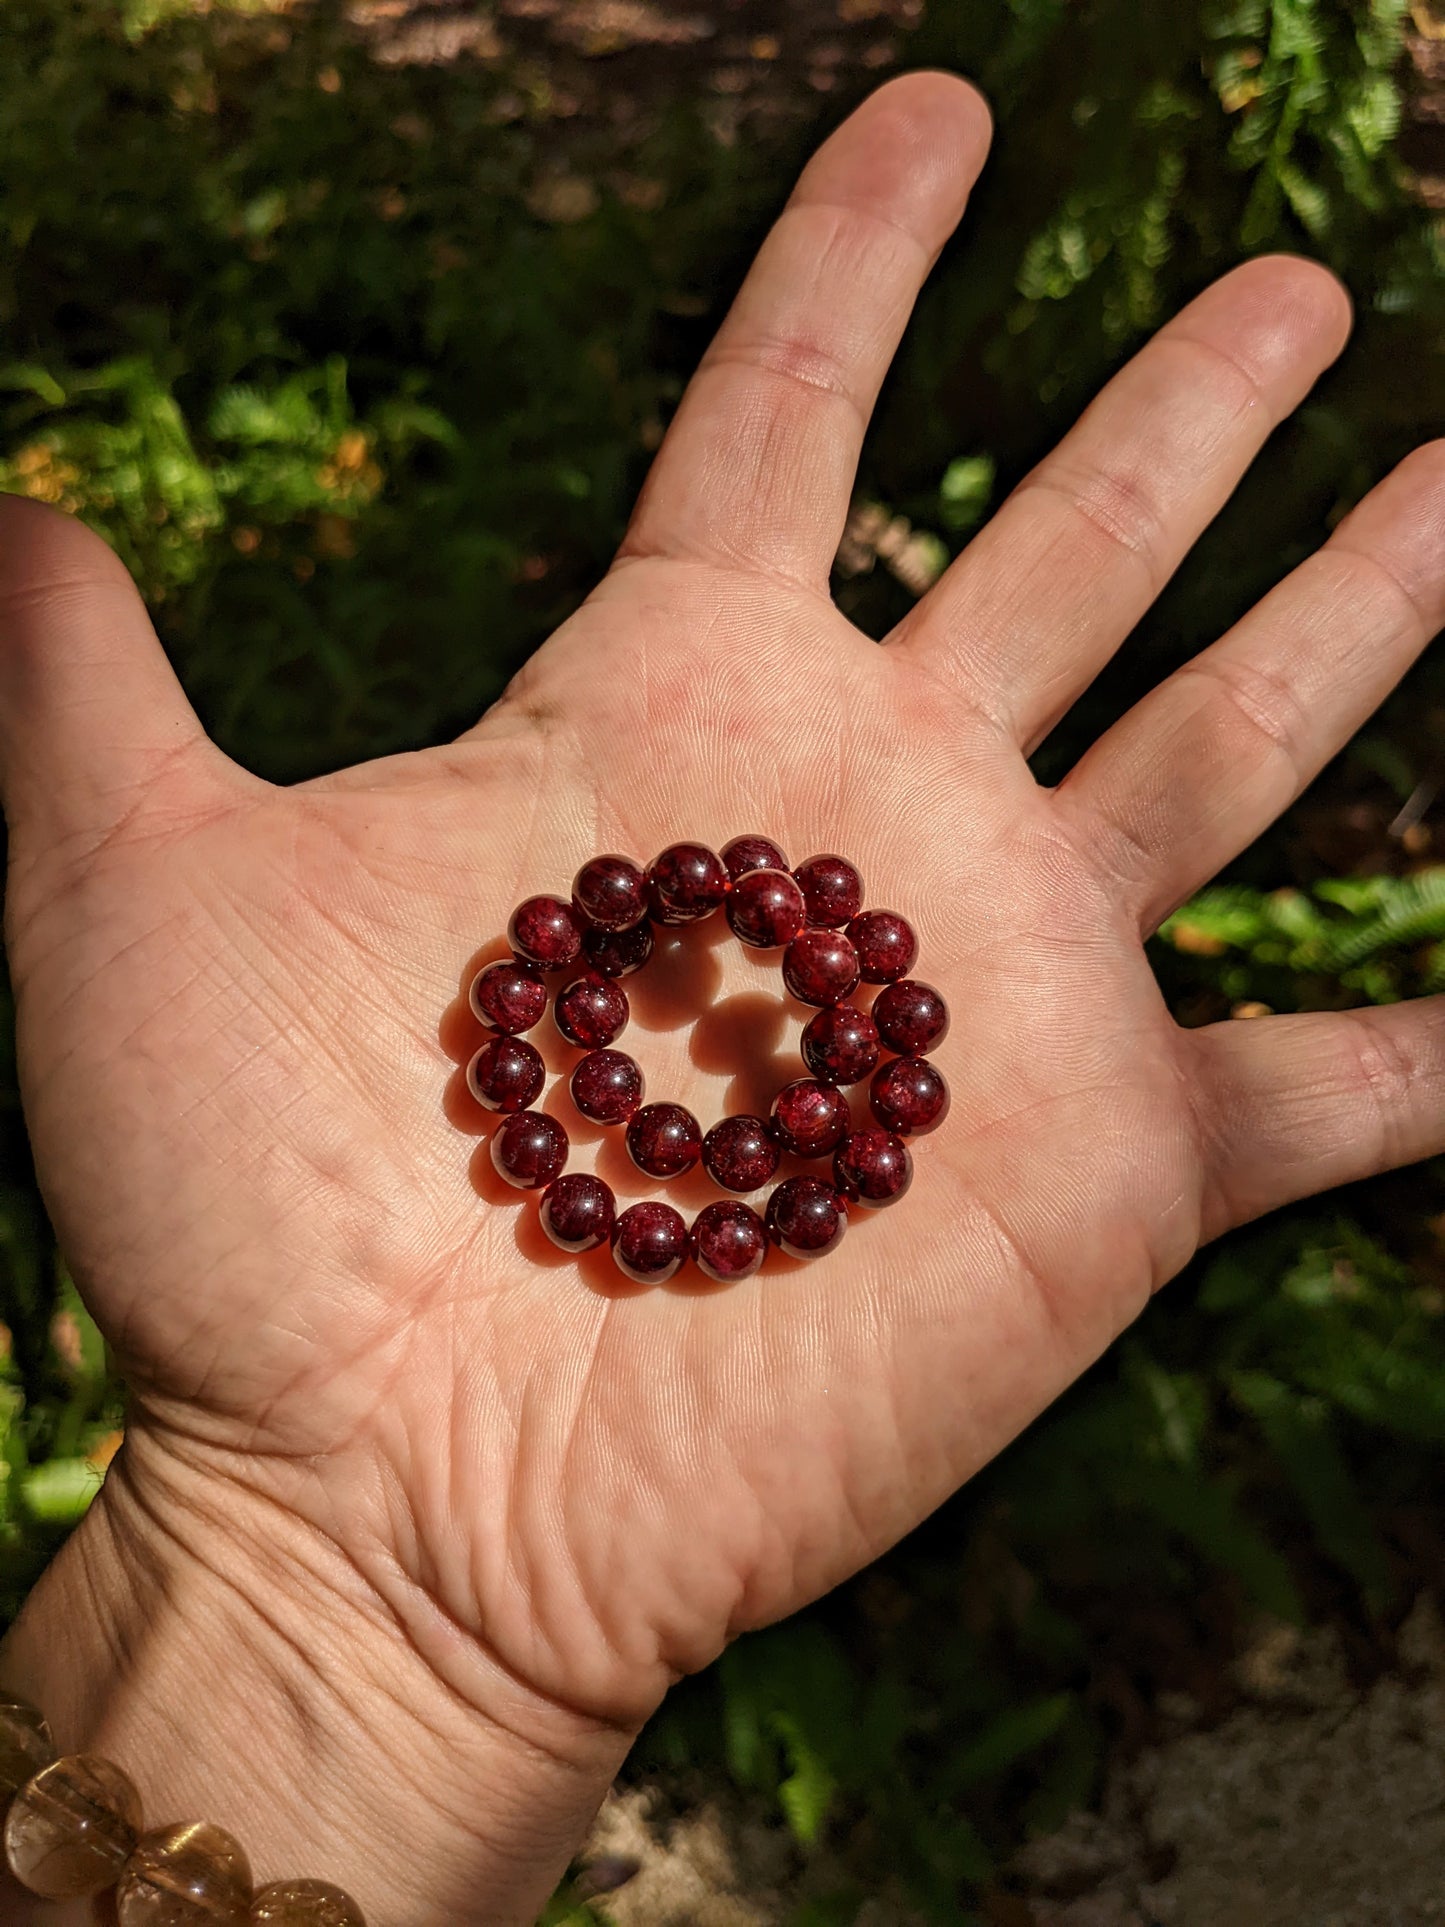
(234,1663)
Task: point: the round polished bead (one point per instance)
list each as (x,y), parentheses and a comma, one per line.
(766,909)
(617,953)
(810,1119)
(664,1140)
(190,1876)
(591,1011)
(578,1211)
(509,995)
(820,966)
(909,1096)
(746,853)
(547,932)
(872,1167)
(729,1241)
(740,1153)
(25,1744)
(607,1086)
(688,882)
(806,1217)
(911,1017)
(650,1241)
(887,948)
(71,1829)
(304,1903)
(529,1150)
(840,1045)
(506,1074)
(832,890)
(610,893)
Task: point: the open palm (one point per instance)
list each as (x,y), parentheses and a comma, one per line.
(242,1007)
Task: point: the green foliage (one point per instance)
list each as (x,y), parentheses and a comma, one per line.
(363,407)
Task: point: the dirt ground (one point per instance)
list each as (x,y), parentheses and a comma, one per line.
(1314,1804)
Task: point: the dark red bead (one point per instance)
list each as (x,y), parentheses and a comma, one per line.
(911,1017)
(840,1045)
(832,890)
(578,1211)
(530,1149)
(610,893)
(506,1074)
(766,909)
(547,932)
(729,1241)
(591,1011)
(607,1086)
(746,853)
(617,953)
(509,995)
(872,1167)
(806,1217)
(649,1241)
(664,1140)
(909,1096)
(810,1119)
(820,966)
(887,948)
(687,881)
(740,1154)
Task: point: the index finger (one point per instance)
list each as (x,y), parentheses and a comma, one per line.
(757,467)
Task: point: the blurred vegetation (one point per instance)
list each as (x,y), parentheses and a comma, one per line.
(357,356)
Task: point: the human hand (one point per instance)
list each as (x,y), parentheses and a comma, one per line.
(464,1511)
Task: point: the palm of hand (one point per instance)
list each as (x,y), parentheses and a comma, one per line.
(240,1028)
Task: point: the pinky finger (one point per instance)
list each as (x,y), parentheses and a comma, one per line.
(1289,1106)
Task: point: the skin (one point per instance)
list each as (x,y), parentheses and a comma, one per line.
(440,1516)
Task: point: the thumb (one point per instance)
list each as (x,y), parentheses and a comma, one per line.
(95,730)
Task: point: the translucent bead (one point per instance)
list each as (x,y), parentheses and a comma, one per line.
(664,1140)
(650,1241)
(304,1903)
(729,1241)
(832,889)
(746,853)
(766,909)
(189,1876)
(71,1829)
(25,1743)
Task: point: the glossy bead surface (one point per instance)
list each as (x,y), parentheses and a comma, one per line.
(909,1096)
(617,953)
(729,1241)
(530,1149)
(547,932)
(650,1241)
(507,1074)
(607,1086)
(610,893)
(578,1211)
(887,948)
(508,995)
(840,1045)
(304,1903)
(872,1167)
(740,1153)
(766,909)
(810,1119)
(911,1017)
(591,1011)
(806,1217)
(664,1140)
(832,890)
(688,882)
(746,853)
(71,1829)
(189,1876)
(25,1744)
(820,966)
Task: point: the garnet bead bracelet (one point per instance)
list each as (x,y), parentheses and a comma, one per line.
(75,1830)
(830,946)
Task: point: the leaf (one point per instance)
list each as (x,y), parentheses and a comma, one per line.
(1016,1732)
(807,1792)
